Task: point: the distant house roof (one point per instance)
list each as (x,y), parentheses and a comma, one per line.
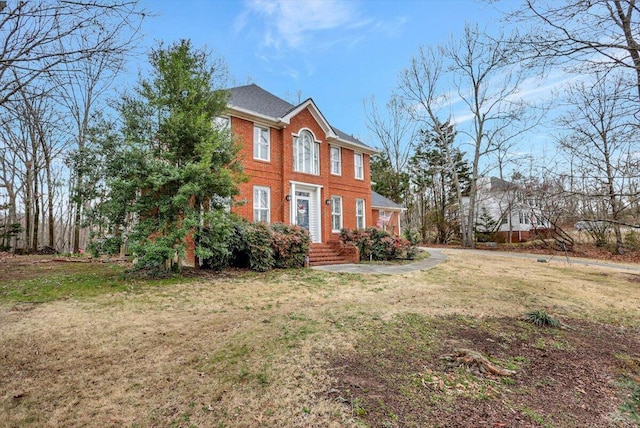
(379,201)
(252,98)
(495,184)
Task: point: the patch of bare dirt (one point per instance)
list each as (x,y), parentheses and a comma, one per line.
(564,378)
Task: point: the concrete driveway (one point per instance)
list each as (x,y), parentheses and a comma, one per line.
(437,256)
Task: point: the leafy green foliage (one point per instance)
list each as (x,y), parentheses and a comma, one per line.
(8,232)
(541,318)
(377,244)
(631,406)
(109,245)
(261,254)
(168,166)
(258,246)
(388,182)
(486,227)
(411,235)
(290,245)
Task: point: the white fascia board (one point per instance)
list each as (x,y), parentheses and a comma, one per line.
(354,146)
(253,116)
(388,208)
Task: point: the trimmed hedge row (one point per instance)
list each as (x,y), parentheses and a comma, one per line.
(257,246)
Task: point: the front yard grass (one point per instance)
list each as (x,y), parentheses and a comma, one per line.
(310,348)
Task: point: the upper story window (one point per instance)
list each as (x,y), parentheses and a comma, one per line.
(336,161)
(261,143)
(222,122)
(358,166)
(261,204)
(524,218)
(306,153)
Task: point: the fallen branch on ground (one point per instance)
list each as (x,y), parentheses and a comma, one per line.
(474,361)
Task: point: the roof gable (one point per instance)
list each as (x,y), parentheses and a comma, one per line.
(317,115)
(253,102)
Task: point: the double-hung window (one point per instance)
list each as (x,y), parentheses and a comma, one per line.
(360,220)
(358,166)
(336,161)
(261,143)
(261,204)
(306,154)
(336,213)
(222,123)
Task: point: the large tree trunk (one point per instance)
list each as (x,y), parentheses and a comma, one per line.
(36,214)
(50,193)
(27,207)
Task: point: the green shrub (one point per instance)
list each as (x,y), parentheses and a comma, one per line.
(377,244)
(413,236)
(260,247)
(541,319)
(632,240)
(261,254)
(290,245)
(109,246)
(212,242)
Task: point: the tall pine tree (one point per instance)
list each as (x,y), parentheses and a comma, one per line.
(170,170)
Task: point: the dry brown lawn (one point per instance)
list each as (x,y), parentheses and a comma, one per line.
(244,349)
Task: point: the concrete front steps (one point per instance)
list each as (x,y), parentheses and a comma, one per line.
(329,254)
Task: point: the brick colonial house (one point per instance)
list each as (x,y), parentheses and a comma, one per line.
(303,171)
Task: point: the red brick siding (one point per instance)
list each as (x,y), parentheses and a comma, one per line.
(393,226)
(277,174)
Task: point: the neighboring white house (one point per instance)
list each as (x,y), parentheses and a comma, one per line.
(506,204)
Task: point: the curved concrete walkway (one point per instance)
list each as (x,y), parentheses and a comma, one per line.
(436,257)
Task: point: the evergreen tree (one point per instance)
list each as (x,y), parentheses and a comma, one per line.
(388,182)
(432,178)
(170,171)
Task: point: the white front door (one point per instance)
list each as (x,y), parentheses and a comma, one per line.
(305,210)
(303,203)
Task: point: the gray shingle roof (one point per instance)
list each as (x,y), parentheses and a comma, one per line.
(254,98)
(377,200)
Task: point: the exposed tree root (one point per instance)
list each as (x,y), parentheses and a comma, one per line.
(475,362)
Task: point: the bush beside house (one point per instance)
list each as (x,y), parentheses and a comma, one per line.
(257,246)
(377,244)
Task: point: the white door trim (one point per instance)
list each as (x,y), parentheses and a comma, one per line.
(315,206)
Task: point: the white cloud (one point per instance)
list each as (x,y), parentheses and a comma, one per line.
(310,24)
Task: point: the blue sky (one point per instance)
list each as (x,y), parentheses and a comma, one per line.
(336,52)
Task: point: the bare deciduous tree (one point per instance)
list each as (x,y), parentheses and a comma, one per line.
(40,37)
(486,83)
(603,136)
(393,130)
(599,35)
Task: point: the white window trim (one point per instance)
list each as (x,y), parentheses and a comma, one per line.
(339,149)
(315,153)
(256,143)
(355,166)
(333,213)
(364,216)
(257,207)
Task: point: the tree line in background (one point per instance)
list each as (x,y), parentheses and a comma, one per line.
(463,110)
(78,164)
